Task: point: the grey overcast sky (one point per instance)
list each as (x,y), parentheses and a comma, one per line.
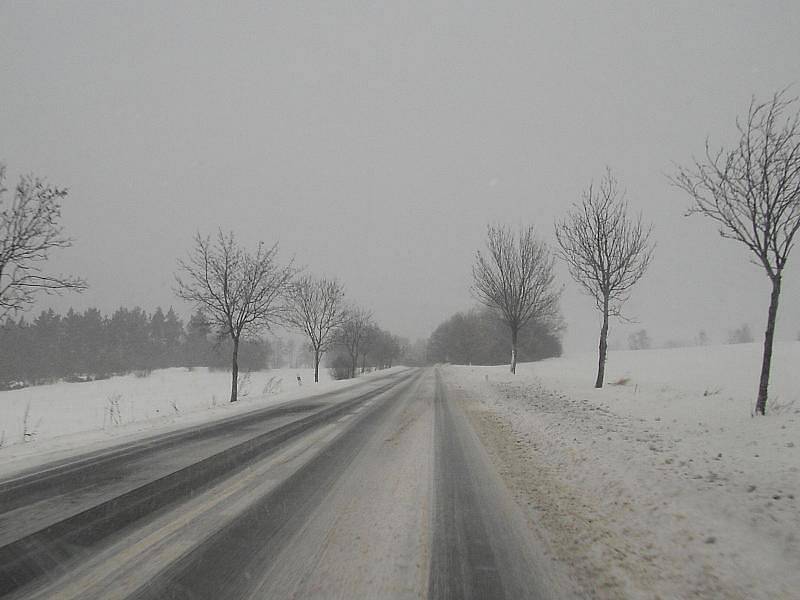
(375,140)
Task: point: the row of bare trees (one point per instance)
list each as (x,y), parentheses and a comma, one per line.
(606,252)
(605,249)
(478,337)
(751,190)
(242,293)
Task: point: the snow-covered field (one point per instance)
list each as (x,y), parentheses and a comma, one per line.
(663,485)
(41,423)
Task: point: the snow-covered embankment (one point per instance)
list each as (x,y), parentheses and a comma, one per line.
(660,485)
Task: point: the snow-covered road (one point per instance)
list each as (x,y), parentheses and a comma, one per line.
(378,491)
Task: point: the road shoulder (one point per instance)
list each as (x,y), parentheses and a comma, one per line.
(484,532)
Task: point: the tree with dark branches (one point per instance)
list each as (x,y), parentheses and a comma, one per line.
(240,293)
(369,342)
(316,307)
(752,191)
(30,229)
(516,278)
(352,333)
(607,252)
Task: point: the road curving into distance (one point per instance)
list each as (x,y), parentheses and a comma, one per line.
(379,491)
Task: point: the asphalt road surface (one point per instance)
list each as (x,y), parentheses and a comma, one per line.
(379,491)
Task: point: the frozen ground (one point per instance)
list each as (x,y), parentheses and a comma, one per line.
(42,423)
(663,485)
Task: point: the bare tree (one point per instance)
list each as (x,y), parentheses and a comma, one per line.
(516,278)
(753,192)
(29,229)
(370,342)
(606,252)
(352,333)
(385,347)
(316,306)
(639,340)
(740,335)
(240,293)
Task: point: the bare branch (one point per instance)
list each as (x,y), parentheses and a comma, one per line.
(29,229)
(316,307)
(352,332)
(607,252)
(240,293)
(515,277)
(752,191)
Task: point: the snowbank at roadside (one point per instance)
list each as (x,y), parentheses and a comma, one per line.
(662,485)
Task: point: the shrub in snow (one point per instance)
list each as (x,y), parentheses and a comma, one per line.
(742,335)
(639,340)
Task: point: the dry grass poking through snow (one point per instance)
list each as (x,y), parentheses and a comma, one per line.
(661,488)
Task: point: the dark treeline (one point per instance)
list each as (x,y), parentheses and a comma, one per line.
(377,349)
(478,337)
(84,346)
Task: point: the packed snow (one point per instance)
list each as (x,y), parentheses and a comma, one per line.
(661,484)
(46,422)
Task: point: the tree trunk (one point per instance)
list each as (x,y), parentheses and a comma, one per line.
(761,403)
(601,363)
(235,370)
(363,362)
(513,350)
(353,364)
(316,365)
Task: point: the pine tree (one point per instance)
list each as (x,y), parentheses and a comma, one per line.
(197,342)
(173,338)
(157,340)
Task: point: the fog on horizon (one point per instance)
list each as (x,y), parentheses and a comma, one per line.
(375,143)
